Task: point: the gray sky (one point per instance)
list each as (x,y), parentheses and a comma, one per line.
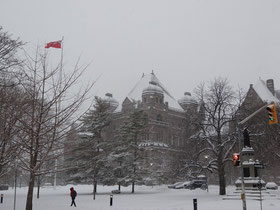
(183,41)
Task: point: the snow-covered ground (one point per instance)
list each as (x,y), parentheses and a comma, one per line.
(145,198)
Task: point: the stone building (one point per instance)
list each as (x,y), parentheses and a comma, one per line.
(165,135)
(260,93)
(264,136)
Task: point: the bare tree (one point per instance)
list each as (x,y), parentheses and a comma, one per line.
(11,102)
(10,99)
(220,106)
(8,51)
(50,108)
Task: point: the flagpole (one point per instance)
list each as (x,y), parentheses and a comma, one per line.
(59,104)
(61,59)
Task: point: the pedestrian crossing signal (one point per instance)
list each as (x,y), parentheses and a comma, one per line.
(272,114)
(236,159)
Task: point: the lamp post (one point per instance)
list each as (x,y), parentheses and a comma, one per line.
(55,169)
(20,181)
(206,158)
(15,190)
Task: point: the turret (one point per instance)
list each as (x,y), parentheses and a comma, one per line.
(152,95)
(113,103)
(187,102)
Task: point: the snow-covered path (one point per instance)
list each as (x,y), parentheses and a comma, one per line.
(145,198)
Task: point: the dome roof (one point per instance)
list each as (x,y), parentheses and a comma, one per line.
(110,100)
(187,99)
(152,88)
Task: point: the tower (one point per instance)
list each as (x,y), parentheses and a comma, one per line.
(187,102)
(152,96)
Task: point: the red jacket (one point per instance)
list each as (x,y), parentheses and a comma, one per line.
(73,193)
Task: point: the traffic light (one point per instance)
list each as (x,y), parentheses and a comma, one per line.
(272,115)
(236,159)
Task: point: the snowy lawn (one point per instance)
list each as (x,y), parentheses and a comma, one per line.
(145,198)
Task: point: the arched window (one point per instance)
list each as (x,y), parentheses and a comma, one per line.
(145,116)
(159,117)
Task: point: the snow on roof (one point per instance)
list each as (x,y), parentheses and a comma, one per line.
(85,134)
(187,99)
(155,144)
(250,180)
(247,149)
(136,93)
(264,93)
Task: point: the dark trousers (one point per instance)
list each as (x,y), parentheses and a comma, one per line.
(73,202)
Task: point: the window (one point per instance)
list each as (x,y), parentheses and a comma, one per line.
(145,99)
(172,140)
(179,141)
(145,116)
(159,117)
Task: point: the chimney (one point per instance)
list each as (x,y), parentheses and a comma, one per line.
(270,85)
(110,95)
(187,94)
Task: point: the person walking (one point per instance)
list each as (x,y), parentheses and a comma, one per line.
(73,195)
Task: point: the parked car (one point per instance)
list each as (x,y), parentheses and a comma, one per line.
(115,191)
(4,186)
(202,184)
(172,186)
(271,186)
(183,185)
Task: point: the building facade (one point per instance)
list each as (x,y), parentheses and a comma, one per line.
(265,137)
(166,126)
(165,136)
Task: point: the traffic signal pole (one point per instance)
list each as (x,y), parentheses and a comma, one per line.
(252,115)
(243,197)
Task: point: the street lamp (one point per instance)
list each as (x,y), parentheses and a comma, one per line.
(15,192)
(55,169)
(20,181)
(206,158)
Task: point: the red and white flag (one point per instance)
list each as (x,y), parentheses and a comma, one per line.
(56,44)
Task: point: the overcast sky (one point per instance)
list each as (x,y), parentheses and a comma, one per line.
(183,41)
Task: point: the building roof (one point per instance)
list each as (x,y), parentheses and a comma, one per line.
(187,99)
(153,88)
(136,93)
(264,93)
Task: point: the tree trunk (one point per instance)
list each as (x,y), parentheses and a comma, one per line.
(38,191)
(95,187)
(133,184)
(30,192)
(38,187)
(222,180)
